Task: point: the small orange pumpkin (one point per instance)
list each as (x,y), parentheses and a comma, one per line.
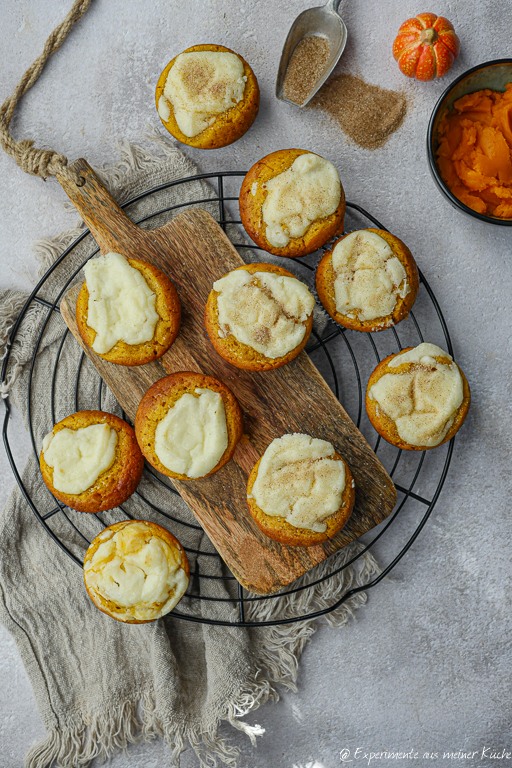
(426,46)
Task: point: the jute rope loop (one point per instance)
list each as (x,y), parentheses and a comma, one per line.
(39,162)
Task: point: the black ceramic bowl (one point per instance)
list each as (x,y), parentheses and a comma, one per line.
(494,75)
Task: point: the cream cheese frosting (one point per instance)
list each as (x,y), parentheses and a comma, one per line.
(299,479)
(193,436)
(79,456)
(200,86)
(423,399)
(163,108)
(264,310)
(136,571)
(369,278)
(121,304)
(307,191)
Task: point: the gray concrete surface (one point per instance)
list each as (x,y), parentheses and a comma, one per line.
(426,665)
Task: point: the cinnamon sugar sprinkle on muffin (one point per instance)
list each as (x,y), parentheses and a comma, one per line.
(259,316)
(301,492)
(418,399)
(368,281)
(207,96)
(292,202)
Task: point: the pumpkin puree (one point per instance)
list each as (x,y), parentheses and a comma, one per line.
(474,152)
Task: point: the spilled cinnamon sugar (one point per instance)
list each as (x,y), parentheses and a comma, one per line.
(367,113)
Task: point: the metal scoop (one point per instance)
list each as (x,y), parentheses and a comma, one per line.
(324,22)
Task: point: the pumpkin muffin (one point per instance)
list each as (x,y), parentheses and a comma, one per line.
(207,96)
(127,311)
(292,202)
(301,492)
(91,462)
(136,571)
(369,280)
(259,316)
(188,425)
(418,398)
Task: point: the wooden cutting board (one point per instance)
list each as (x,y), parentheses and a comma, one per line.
(194,251)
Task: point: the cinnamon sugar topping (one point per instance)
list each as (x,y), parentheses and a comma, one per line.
(423,398)
(200,86)
(299,479)
(268,312)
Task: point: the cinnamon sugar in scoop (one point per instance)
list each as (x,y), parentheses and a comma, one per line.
(367,113)
(305,67)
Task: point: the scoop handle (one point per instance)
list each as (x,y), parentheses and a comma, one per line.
(333,5)
(107,222)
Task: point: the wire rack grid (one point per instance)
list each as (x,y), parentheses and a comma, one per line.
(359,350)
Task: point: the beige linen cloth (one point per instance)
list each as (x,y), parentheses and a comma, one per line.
(99,684)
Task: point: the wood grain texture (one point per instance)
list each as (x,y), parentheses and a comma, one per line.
(193,250)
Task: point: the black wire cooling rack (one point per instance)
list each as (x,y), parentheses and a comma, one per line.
(346,358)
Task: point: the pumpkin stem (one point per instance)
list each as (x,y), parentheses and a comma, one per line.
(429,36)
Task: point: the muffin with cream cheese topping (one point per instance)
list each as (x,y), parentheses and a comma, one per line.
(207,96)
(91,461)
(127,311)
(292,202)
(301,492)
(136,571)
(188,425)
(418,398)
(368,281)
(259,316)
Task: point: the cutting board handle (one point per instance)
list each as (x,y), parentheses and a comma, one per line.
(107,222)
